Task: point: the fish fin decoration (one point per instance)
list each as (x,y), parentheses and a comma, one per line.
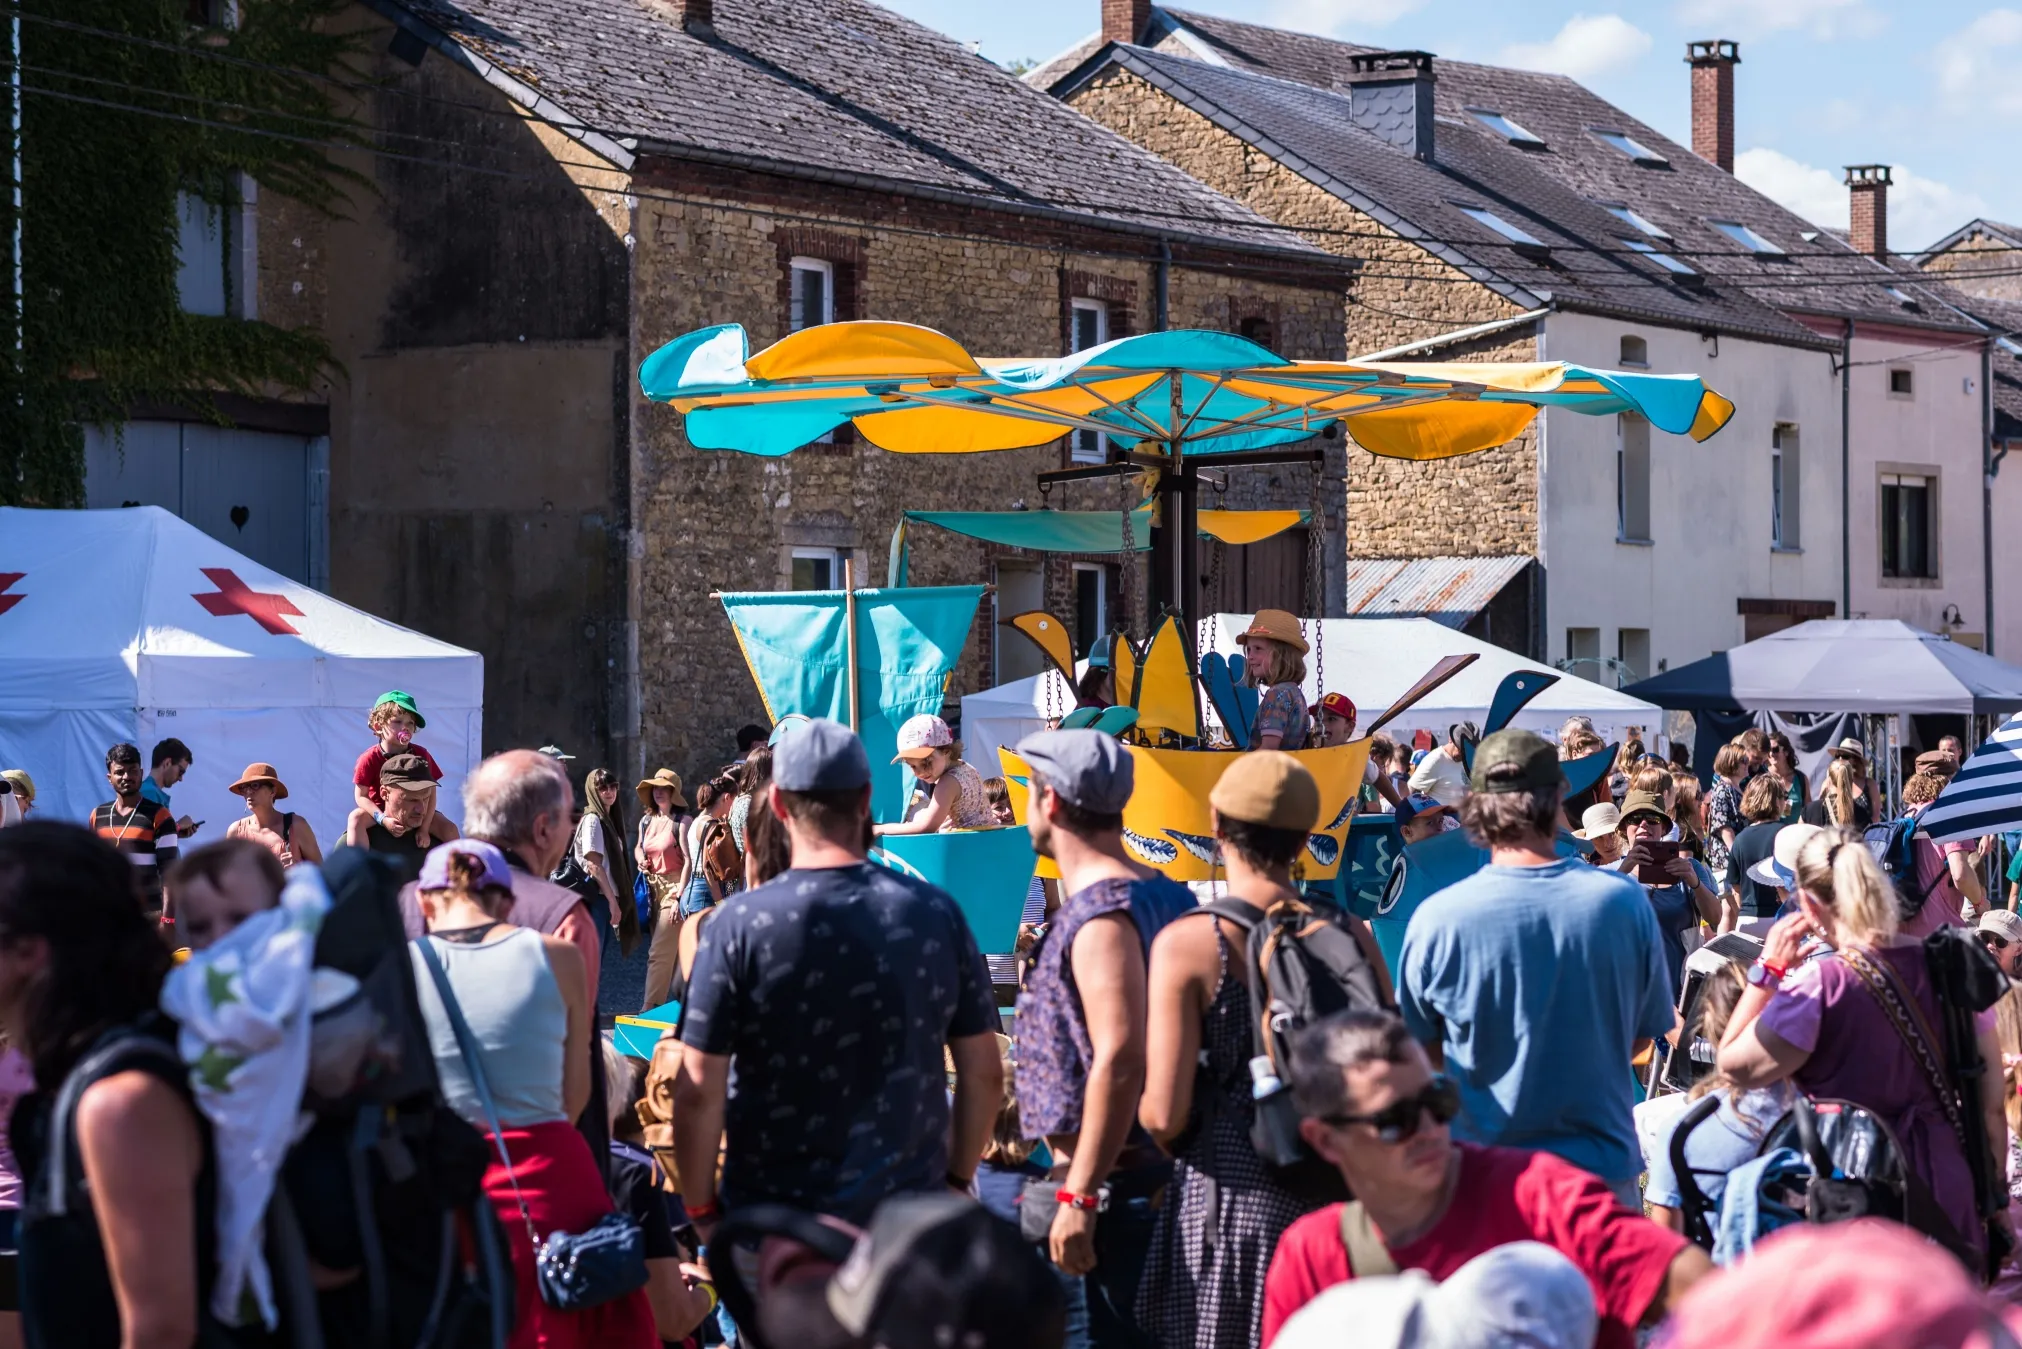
(1080,717)
(1220,683)
(1199,845)
(1123,664)
(1113,720)
(1445,669)
(1582,773)
(1164,693)
(1326,849)
(1156,851)
(1049,634)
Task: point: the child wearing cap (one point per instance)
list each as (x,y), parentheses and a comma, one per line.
(1274,652)
(395,719)
(959,799)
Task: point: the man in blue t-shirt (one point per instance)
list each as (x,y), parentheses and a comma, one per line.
(817,1014)
(1082,1024)
(1538,978)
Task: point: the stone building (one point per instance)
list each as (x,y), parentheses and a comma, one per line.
(1507,215)
(560,186)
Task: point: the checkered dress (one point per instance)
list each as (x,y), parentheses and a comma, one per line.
(1203,1282)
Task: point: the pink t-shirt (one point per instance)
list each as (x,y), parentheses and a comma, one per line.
(17,1079)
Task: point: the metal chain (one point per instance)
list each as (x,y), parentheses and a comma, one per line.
(1206,619)
(1127,600)
(1316,598)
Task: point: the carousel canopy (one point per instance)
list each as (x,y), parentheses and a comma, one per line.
(913,390)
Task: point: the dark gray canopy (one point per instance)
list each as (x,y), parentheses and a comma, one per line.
(1875,666)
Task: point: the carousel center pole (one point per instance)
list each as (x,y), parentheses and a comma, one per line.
(849,582)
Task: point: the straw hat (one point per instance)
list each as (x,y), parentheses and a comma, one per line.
(24,786)
(1277,625)
(1850,748)
(667,778)
(258,773)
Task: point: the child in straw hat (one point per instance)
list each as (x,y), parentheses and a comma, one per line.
(1275,652)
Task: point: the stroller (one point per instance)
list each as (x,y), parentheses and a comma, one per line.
(1825,1161)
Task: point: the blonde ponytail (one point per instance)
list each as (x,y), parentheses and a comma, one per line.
(1836,867)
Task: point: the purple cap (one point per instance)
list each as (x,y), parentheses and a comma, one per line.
(435,867)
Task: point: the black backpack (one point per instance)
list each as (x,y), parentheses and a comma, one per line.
(1894,845)
(1305,963)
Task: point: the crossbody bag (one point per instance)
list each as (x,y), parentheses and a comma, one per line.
(573,1270)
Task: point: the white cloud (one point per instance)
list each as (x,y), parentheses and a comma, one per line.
(1976,66)
(1921,210)
(1337,17)
(1755,18)
(1589,45)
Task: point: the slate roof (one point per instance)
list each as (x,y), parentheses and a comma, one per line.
(1282,85)
(841,90)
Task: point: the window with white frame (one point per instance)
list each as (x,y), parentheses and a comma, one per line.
(1783,480)
(1908,503)
(1635,351)
(1093,583)
(817,569)
(1090,320)
(1632,479)
(813,293)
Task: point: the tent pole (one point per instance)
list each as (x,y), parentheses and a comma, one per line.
(849,582)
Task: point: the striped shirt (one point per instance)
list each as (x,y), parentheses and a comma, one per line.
(140,833)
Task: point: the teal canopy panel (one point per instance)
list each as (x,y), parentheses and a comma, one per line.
(907,643)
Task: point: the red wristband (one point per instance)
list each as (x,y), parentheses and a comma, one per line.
(1086,1202)
(698,1213)
(1780,971)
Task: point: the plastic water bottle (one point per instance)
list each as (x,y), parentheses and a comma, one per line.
(1275,1131)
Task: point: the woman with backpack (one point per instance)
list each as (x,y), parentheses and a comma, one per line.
(712,866)
(118,1227)
(1860,1025)
(1204,1279)
(591,851)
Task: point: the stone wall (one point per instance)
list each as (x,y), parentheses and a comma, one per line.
(1965,263)
(706,521)
(1482,505)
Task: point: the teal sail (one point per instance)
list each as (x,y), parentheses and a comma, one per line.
(907,643)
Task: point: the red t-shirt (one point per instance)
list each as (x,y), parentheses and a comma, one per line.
(1502,1195)
(366,775)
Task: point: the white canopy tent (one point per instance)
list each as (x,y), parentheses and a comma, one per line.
(135,625)
(1372,660)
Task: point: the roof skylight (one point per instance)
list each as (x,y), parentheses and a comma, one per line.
(1747,238)
(1504,127)
(1631,147)
(1664,260)
(1628,216)
(1495,222)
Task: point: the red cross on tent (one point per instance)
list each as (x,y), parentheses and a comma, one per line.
(7,580)
(234,597)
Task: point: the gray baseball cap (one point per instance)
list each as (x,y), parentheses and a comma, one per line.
(1087,768)
(821,756)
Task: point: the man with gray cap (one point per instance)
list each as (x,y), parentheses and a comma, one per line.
(1081,1025)
(832,990)
(1537,979)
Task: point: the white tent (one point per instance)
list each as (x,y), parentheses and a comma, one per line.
(1374,660)
(135,625)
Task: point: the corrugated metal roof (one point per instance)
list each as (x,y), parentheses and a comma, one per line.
(1448,590)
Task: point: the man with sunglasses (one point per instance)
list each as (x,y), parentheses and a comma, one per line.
(1375,1109)
(2000,931)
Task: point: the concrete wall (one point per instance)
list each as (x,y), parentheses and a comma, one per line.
(1483,505)
(1709,503)
(708,520)
(475,460)
(1936,430)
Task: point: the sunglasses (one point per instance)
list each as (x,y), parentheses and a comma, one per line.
(1992,942)
(1400,1120)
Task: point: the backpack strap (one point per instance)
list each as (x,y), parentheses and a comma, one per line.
(1368,1257)
(1915,1030)
(101,1062)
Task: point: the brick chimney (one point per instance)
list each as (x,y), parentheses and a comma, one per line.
(1713,63)
(697,16)
(1868,186)
(1390,94)
(1125,20)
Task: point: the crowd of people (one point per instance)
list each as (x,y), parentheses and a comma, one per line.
(1150,1137)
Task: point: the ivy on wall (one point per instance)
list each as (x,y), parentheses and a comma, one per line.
(126,104)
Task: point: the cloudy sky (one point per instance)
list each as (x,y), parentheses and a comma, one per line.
(1933,88)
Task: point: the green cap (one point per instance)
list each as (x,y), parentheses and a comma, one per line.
(1515,761)
(403,701)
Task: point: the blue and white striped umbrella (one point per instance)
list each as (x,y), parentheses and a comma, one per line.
(1986,795)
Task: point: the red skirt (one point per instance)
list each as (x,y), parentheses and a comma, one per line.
(563,1192)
